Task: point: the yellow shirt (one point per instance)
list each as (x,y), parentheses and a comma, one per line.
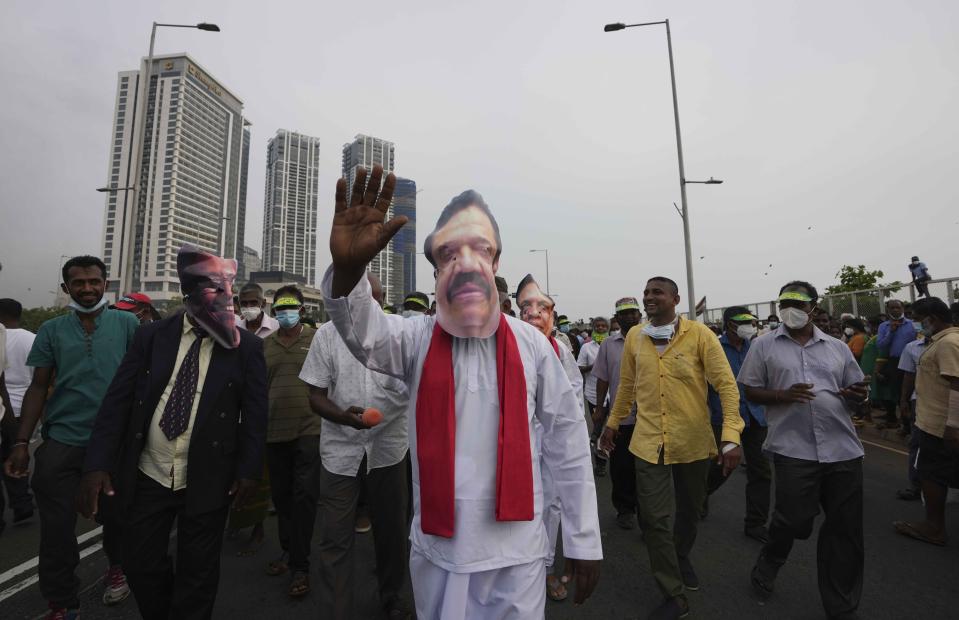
(165,460)
(938,361)
(670,393)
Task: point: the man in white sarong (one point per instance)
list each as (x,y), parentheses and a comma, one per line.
(537,309)
(477,380)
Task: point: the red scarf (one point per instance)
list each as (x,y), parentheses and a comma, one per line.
(436,434)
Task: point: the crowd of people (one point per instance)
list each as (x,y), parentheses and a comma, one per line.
(467,438)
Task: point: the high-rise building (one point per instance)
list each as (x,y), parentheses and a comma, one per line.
(251,262)
(290,204)
(366,151)
(180,173)
(404,243)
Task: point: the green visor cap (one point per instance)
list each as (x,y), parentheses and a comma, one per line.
(627,303)
(794,296)
(744,317)
(284,302)
(416,300)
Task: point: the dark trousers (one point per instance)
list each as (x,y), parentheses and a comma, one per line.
(914,435)
(758,473)
(622,472)
(387,502)
(18,489)
(801,488)
(670,537)
(56,479)
(159,594)
(596,433)
(922,286)
(294,487)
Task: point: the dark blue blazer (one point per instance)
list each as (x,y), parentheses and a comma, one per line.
(229,432)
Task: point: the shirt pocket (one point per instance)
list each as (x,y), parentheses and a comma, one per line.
(681,367)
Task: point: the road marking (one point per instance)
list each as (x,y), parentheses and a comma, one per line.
(29,581)
(32,563)
(879,445)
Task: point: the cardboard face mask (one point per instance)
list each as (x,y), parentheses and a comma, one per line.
(535,306)
(207,284)
(464,248)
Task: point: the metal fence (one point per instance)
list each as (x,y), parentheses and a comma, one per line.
(865,303)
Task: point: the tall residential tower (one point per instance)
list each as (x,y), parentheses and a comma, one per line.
(189,185)
(290,204)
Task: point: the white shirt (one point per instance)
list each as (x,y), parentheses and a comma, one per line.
(165,460)
(267,326)
(18,375)
(329,364)
(587,357)
(397,347)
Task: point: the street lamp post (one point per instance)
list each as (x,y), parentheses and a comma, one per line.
(679,153)
(126,281)
(547,268)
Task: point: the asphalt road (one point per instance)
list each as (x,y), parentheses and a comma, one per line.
(903,578)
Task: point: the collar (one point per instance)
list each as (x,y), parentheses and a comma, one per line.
(943,334)
(817,333)
(724,340)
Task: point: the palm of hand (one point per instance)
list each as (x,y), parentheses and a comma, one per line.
(357,235)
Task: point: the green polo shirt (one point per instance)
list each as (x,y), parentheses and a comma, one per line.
(84,365)
(290,413)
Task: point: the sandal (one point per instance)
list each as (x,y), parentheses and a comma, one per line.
(555,589)
(278,566)
(300,586)
(913,530)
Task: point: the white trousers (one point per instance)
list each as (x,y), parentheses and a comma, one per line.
(509,593)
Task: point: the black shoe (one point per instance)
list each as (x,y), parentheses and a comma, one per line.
(763,576)
(22,515)
(911,494)
(670,609)
(600,470)
(690,580)
(626,520)
(757,532)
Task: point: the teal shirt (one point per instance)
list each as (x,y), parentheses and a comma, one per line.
(84,365)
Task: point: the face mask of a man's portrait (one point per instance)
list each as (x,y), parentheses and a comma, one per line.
(207,284)
(535,306)
(464,248)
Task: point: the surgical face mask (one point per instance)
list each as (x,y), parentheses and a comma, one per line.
(288,318)
(794,318)
(849,331)
(773,324)
(745,331)
(408,313)
(84,310)
(660,332)
(927,329)
(250,314)
(917,325)
(895,315)
(564,329)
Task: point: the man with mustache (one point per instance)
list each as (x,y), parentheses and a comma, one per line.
(477,380)
(181,433)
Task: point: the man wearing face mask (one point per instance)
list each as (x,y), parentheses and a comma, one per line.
(254,319)
(810,384)
(292,439)
(937,419)
(740,329)
(83,350)
(180,434)
(622,466)
(415,304)
(666,367)
(477,380)
(894,334)
(587,357)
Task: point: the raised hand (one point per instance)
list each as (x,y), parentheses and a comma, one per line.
(359,230)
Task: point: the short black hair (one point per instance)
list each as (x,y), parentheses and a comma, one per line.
(668,281)
(772,316)
(856,324)
(288,289)
(469,198)
(83,262)
(932,307)
(732,311)
(252,287)
(955,312)
(810,289)
(10,309)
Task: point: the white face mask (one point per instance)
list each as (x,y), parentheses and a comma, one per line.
(849,331)
(773,325)
(408,313)
(84,310)
(251,314)
(794,318)
(661,332)
(745,331)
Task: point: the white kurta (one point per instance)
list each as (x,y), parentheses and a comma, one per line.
(396,346)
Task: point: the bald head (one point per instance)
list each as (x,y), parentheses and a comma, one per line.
(377,287)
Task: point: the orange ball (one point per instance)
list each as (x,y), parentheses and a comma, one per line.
(371,417)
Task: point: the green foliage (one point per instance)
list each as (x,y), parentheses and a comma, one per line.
(859,279)
(33,318)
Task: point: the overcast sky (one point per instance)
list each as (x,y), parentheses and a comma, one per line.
(839,116)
